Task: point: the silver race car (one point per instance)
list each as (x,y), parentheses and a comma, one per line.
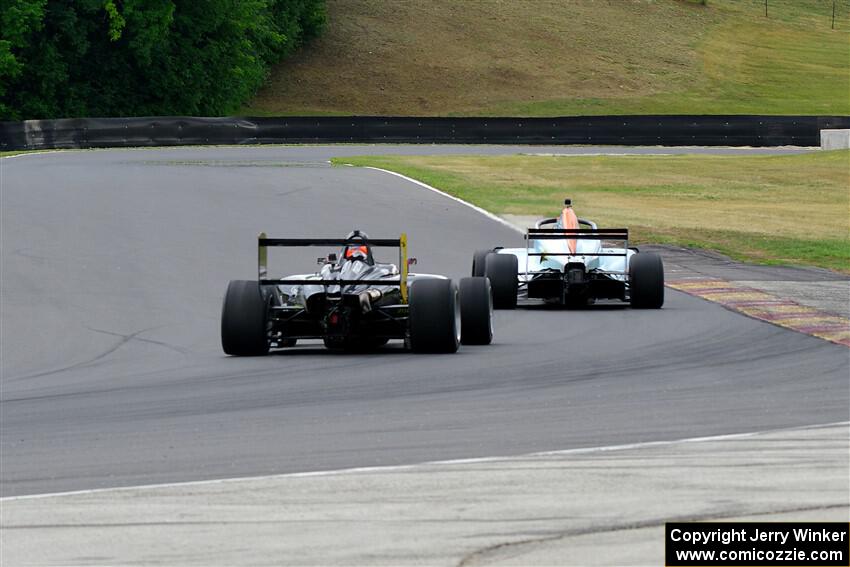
(354,303)
(570,261)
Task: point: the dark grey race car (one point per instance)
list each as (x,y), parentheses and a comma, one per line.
(354,303)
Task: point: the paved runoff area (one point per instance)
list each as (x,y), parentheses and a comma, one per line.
(580,507)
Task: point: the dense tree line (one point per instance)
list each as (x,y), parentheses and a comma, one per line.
(69,58)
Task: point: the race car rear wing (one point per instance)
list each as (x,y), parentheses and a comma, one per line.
(263,242)
(615,234)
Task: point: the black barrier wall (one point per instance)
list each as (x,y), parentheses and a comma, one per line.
(606,130)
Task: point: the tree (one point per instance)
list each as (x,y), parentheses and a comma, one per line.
(143,57)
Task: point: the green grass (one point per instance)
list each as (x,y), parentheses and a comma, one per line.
(791,209)
(429,57)
(19,152)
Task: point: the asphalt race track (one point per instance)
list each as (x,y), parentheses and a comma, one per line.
(114,264)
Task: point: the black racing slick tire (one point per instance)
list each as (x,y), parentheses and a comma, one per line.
(476,311)
(501,270)
(433,316)
(244,318)
(478,262)
(646,281)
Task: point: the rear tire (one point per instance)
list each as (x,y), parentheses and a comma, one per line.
(433,316)
(502,270)
(479,259)
(646,281)
(244,318)
(476,311)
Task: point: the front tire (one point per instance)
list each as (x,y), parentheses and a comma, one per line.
(479,259)
(501,270)
(244,319)
(476,311)
(433,316)
(646,281)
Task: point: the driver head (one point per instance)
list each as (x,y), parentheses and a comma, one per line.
(356,252)
(358,249)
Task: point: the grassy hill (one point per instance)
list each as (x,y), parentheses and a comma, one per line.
(563,57)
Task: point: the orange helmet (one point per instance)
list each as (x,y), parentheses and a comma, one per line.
(357,247)
(357,251)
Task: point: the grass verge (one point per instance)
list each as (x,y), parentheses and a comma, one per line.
(21,152)
(790,209)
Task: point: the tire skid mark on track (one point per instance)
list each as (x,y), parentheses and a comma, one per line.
(766,307)
(137,336)
(85,363)
(482,555)
(123,340)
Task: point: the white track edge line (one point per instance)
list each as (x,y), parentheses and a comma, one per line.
(34,153)
(476,208)
(392,468)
